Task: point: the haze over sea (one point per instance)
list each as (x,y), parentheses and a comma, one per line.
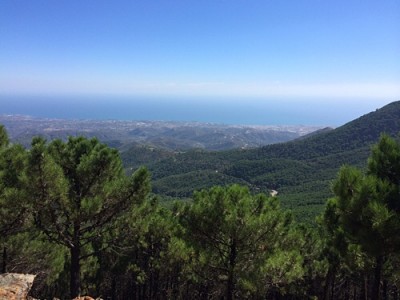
(225,111)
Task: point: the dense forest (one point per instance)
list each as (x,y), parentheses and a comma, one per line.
(301,170)
(70,214)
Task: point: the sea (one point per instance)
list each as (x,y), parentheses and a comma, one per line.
(240,111)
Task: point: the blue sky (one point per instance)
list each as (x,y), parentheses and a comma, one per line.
(265,49)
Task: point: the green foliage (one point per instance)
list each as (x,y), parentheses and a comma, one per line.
(77,190)
(29,252)
(226,242)
(81,180)
(139,155)
(362,204)
(13,198)
(185,184)
(24,249)
(300,170)
(236,238)
(3,137)
(363,220)
(145,254)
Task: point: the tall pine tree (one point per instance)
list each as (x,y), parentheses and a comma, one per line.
(366,207)
(78,188)
(238,242)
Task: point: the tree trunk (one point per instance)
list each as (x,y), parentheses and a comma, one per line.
(329,283)
(75,279)
(113,288)
(4,267)
(377,278)
(364,289)
(232,263)
(332,295)
(395,293)
(75,269)
(385,290)
(346,295)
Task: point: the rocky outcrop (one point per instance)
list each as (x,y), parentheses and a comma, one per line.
(15,286)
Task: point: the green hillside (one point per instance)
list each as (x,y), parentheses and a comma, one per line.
(300,170)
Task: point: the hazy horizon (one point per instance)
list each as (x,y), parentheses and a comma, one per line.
(248,111)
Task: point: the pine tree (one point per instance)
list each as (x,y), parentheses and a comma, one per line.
(365,210)
(141,255)
(236,239)
(13,208)
(23,248)
(78,189)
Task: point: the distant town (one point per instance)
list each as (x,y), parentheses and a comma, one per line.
(179,135)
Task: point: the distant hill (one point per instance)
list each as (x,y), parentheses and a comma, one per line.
(301,170)
(155,134)
(354,135)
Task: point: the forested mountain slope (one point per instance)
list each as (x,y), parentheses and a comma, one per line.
(300,170)
(354,135)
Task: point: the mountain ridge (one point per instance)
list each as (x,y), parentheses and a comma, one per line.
(301,170)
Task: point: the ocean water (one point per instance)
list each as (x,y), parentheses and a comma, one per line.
(329,112)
